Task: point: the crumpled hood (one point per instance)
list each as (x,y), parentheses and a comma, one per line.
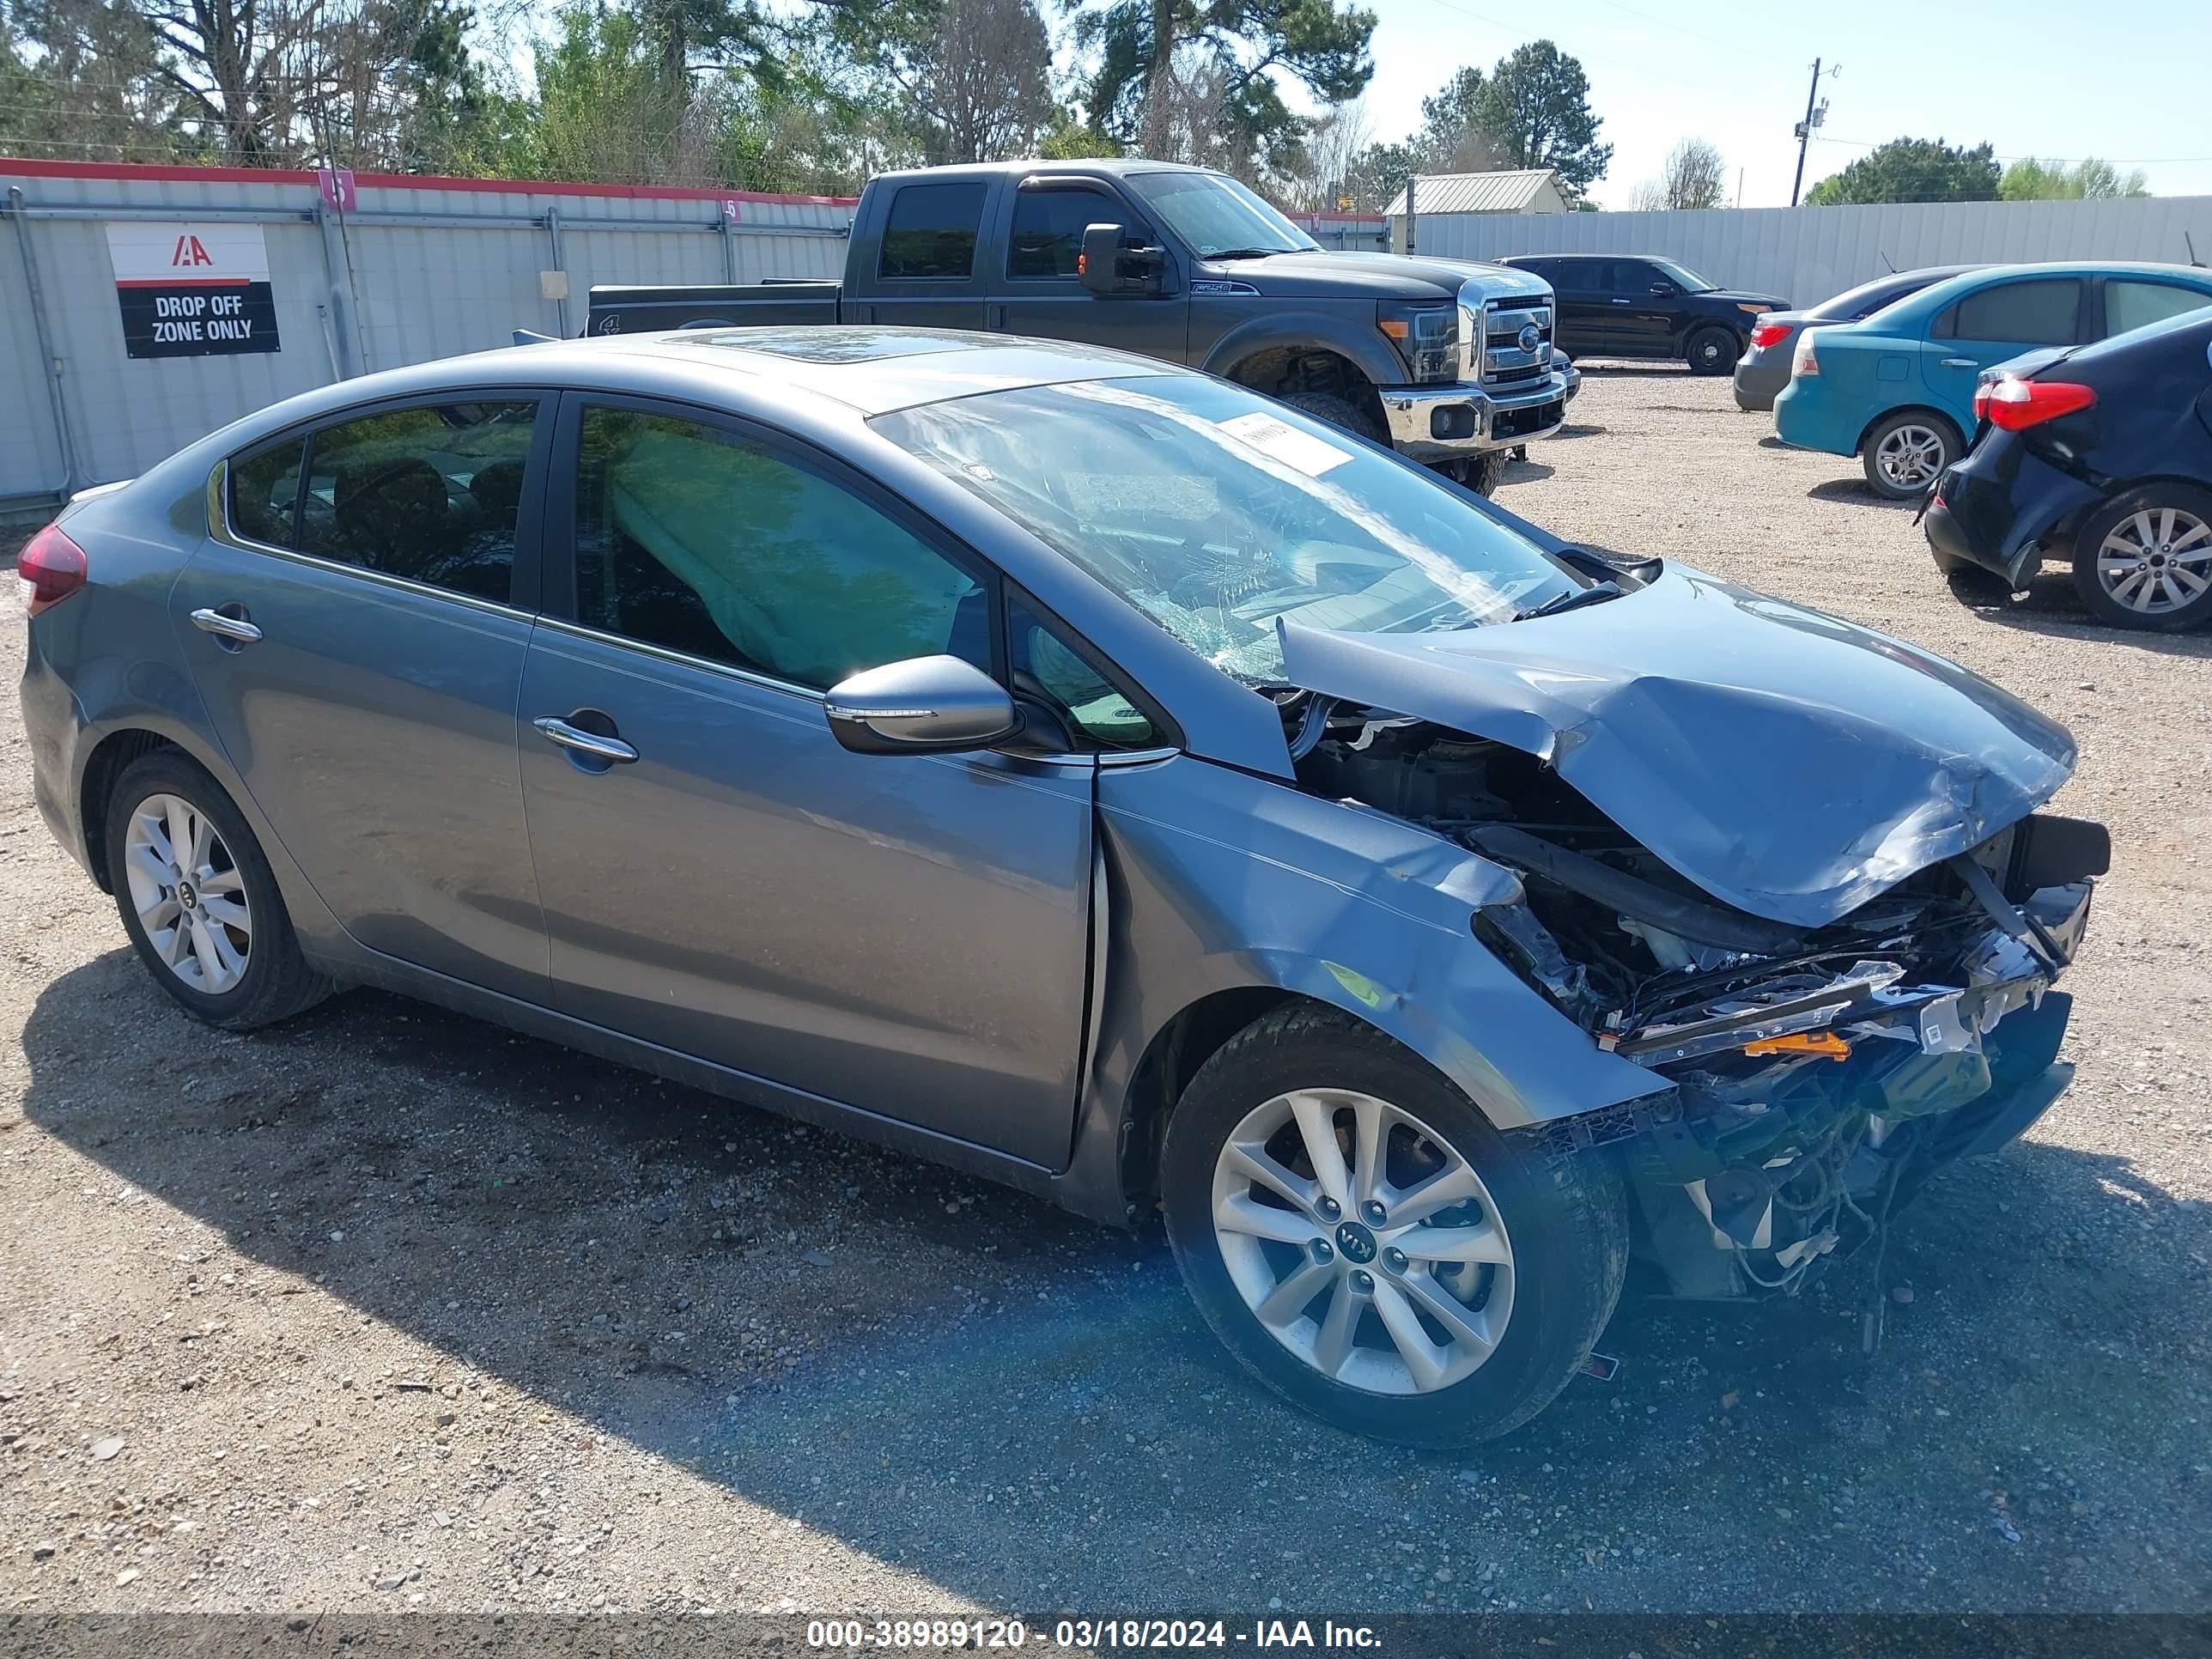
(1788,763)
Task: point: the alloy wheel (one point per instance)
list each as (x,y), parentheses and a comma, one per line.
(2156,560)
(188,893)
(1363,1241)
(1910,456)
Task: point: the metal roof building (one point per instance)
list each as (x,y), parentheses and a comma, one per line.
(1528,190)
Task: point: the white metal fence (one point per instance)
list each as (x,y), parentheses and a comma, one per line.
(360,274)
(1806,254)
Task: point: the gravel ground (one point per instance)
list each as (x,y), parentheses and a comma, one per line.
(386,1308)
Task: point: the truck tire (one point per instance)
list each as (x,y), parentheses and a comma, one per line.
(1480,473)
(1436,1285)
(1337,411)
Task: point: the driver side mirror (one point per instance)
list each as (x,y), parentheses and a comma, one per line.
(1664,289)
(1106,267)
(922,705)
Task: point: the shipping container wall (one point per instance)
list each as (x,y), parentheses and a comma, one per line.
(345,277)
(1807,254)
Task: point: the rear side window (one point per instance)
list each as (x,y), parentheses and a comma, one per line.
(264,493)
(930,231)
(2132,305)
(1048,227)
(2046,313)
(699,541)
(430,494)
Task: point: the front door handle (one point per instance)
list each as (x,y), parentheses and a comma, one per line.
(236,628)
(1960,363)
(586,742)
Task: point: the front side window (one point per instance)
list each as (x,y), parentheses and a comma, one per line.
(930,231)
(1218,513)
(697,540)
(1681,276)
(431,493)
(1048,227)
(1218,217)
(2135,305)
(2046,313)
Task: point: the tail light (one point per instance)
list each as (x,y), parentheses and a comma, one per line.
(2017,404)
(1806,362)
(49,570)
(1769,334)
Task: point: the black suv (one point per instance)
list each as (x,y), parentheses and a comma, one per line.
(1621,305)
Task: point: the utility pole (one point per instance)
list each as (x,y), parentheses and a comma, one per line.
(1813,119)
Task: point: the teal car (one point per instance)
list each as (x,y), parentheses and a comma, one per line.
(1897,390)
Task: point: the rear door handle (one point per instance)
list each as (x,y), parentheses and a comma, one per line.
(1960,363)
(223,627)
(1620,302)
(586,743)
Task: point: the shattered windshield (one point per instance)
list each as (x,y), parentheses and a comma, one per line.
(1218,513)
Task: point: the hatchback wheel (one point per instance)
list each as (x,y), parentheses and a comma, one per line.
(1905,454)
(2145,560)
(1362,1239)
(197,898)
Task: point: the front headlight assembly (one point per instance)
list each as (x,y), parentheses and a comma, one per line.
(1427,335)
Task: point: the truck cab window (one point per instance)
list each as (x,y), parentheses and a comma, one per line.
(930,231)
(1048,227)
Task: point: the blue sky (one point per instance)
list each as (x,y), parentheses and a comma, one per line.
(2117,78)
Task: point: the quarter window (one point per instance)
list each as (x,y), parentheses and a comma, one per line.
(265,493)
(1049,669)
(2046,313)
(431,493)
(930,231)
(2132,305)
(697,540)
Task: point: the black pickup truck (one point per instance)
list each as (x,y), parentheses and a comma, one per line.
(1451,363)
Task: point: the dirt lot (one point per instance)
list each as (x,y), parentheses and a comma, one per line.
(387,1309)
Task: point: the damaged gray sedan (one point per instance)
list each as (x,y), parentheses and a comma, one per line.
(1097,777)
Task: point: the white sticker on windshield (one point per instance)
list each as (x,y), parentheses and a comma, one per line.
(1292,448)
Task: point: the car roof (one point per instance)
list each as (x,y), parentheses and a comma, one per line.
(870,371)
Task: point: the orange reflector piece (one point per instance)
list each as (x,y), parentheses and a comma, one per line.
(1394,327)
(1812,1043)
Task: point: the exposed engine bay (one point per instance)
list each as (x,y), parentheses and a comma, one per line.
(1818,1074)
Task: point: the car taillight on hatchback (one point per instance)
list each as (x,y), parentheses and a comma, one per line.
(2015,404)
(1764,335)
(48,570)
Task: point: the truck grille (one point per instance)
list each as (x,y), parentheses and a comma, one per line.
(1511,354)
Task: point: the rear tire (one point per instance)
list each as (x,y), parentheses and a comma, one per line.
(1712,351)
(1337,411)
(2136,557)
(1495,1299)
(198,900)
(1903,454)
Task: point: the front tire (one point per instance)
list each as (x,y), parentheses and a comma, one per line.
(1337,411)
(1903,454)
(198,900)
(2145,559)
(1712,351)
(1365,1243)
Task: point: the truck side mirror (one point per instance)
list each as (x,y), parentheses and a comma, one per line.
(1099,265)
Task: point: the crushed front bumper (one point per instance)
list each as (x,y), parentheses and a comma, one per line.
(1462,418)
